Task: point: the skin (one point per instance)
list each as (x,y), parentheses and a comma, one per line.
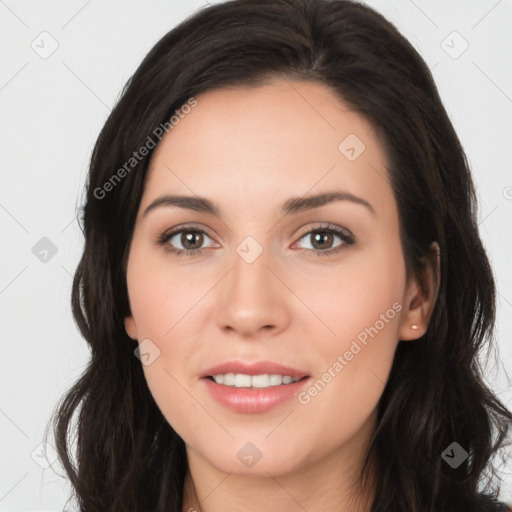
(249,150)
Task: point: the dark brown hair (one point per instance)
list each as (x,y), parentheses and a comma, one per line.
(128,458)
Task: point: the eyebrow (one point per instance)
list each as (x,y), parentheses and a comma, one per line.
(292,205)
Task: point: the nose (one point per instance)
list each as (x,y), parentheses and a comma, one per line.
(254,298)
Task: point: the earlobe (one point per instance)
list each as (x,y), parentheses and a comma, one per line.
(421,297)
(130,328)
(413,325)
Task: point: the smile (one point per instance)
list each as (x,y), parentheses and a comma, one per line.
(241,380)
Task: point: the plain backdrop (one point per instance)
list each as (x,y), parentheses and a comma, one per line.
(63,65)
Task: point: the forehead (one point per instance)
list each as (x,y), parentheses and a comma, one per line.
(284,139)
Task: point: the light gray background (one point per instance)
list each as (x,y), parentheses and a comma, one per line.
(52,110)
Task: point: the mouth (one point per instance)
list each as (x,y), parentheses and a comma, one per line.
(262,381)
(260,374)
(253,388)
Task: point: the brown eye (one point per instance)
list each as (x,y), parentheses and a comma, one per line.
(323,238)
(190,239)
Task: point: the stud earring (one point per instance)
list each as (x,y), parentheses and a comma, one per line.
(414,326)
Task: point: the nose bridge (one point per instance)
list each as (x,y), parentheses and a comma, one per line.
(253,297)
(250,275)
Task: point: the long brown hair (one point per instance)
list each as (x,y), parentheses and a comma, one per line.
(127,456)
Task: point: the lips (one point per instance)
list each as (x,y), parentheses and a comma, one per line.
(259,368)
(253,400)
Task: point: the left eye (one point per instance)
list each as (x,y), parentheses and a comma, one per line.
(319,236)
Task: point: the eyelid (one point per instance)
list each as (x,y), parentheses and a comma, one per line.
(327,226)
(187,227)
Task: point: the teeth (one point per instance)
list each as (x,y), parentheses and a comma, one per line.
(241,380)
(260,381)
(276,380)
(229,379)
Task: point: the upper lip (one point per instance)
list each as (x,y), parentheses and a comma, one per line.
(259,368)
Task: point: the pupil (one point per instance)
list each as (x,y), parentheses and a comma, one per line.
(189,237)
(320,235)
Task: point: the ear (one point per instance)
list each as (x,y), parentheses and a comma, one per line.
(130,327)
(421,296)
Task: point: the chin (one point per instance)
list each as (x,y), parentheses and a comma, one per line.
(258,458)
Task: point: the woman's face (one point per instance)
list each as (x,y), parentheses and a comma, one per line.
(273,287)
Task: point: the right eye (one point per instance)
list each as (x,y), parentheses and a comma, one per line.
(183,235)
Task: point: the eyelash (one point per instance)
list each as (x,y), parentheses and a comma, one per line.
(347,238)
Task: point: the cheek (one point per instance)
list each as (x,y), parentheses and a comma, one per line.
(362,307)
(359,301)
(162,305)
(159,296)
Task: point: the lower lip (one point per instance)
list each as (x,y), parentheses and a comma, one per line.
(253,400)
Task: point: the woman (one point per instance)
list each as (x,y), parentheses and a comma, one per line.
(237,364)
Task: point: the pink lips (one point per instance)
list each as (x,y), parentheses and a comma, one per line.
(252,400)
